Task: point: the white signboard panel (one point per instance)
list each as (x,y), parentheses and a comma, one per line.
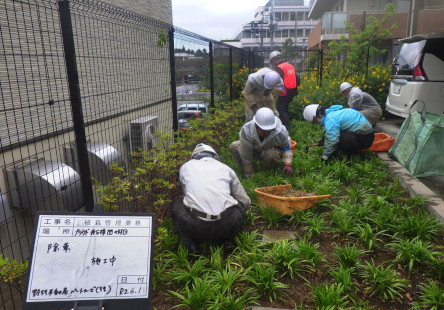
(90,257)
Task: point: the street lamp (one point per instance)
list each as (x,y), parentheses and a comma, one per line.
(265,13)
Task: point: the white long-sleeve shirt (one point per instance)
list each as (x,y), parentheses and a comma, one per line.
(211,186)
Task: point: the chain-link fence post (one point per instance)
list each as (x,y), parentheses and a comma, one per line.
(173,79)
(321,66)
(211,76)
(231,73)
(76,103)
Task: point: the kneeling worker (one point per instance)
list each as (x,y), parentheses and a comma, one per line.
(214,203)
(362,102)
(345,129)
(263,138)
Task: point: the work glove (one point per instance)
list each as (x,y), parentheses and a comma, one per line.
(321,142)
(287,169)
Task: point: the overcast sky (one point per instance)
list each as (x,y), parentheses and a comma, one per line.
(214,19)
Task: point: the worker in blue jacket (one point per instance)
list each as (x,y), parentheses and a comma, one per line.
(345,129)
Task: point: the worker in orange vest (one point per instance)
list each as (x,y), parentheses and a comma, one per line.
(288,75)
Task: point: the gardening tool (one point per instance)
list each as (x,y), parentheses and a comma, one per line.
(310,145)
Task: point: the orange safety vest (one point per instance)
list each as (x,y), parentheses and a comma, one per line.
(289,76)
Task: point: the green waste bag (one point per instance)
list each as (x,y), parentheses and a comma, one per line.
(419,146)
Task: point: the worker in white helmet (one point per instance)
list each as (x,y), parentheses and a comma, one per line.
(214,203)
(288,75)
(263,138)
(345,129)
(362,102)
(258,91)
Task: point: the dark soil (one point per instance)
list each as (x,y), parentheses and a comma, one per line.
(295,193)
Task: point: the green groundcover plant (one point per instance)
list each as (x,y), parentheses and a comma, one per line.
(361,249)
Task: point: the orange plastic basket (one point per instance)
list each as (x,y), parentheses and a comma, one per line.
(267,196)
(383,142)
(293,145)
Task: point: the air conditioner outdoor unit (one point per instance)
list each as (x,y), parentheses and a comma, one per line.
(101,156)
(142,137)
(44,185)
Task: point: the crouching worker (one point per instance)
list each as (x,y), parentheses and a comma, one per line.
(362,102)
(214,203)
(258,91)
(345,129)
(263,138)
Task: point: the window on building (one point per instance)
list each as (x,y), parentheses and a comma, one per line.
(291,33)
(292,16)
(403,6)
(277,16)
(383,3)
(300,33)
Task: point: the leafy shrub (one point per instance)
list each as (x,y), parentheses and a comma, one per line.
(12,272)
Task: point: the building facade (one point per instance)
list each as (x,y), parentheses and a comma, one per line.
(411,17)
(274,23)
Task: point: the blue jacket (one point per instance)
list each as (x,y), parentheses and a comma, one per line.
(337,119)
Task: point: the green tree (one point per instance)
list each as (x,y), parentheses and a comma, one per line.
(362,42)
(288,49)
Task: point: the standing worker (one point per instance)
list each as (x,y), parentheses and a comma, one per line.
(257,91)
(214,203)
(263,138)
(345,129)
(362,101)
(288,75)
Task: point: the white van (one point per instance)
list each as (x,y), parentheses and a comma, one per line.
(418,73)
(202,107)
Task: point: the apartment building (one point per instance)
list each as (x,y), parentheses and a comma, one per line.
(411,17)
(274,23)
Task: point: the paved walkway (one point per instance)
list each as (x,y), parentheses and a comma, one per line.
(430,187)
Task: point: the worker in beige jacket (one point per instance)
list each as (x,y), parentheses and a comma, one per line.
(263,138)
(258,91)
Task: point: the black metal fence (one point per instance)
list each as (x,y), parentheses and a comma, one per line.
(84,84)
(303,60)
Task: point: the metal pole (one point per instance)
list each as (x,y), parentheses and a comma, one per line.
(173,79)
(368,56)
(231,74)
(296,29)
(271,28)
(262,30)
(76,102)
(211,76)
(321,67)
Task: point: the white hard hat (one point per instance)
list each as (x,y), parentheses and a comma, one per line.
(265,119)
(203,149)
(345,86)
(274,54)
(310,112)
(271,79)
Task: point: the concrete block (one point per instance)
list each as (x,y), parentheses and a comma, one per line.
(435,205)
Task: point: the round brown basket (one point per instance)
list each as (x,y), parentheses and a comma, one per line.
(269,196)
